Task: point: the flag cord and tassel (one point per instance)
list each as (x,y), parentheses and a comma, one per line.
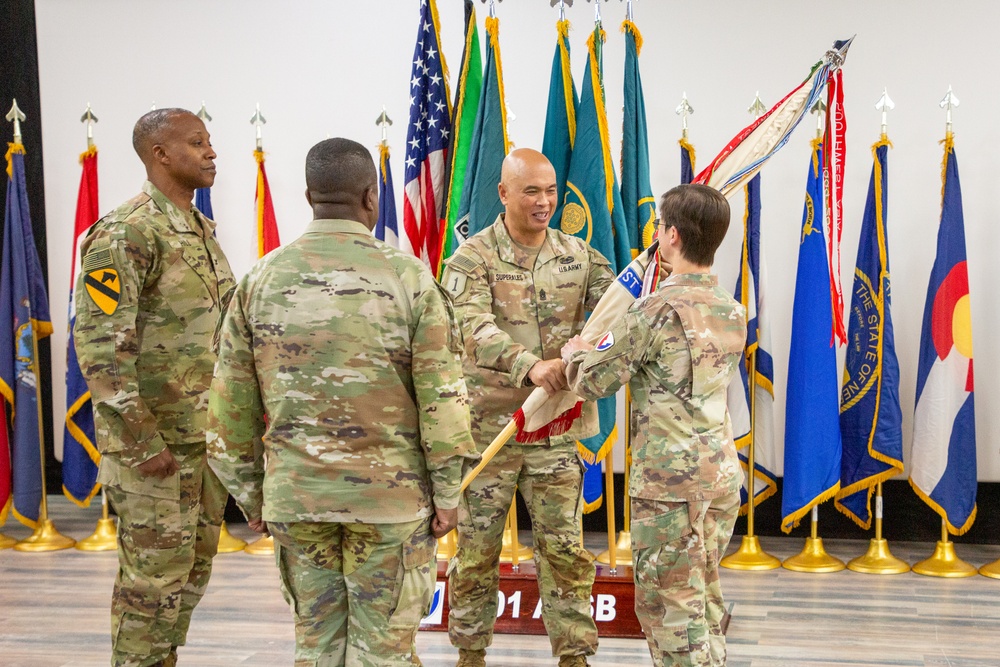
(813,557)
(878,559)
(945,562)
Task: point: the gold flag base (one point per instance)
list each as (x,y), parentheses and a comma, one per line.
(878,560)
(944,563)
(227,543)
(262,547)
(6,542)
(104,537)
(623,550)
(507,550)
(991,570)
(448,546)
(45,538)
(814,558)
(750,557)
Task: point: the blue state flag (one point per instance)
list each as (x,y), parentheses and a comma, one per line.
(871,422)
(687,161)
(387,227)
(203,202)
(812,404)
(943,456)
(639,205)
(560,115)
(24,319)
(751,393)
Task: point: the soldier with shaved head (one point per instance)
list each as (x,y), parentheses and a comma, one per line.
(338,419)
(522,290)
(156,283)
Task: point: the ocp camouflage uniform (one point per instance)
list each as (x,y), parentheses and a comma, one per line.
(156,283)
(516,312)
(339,415)
(678,349)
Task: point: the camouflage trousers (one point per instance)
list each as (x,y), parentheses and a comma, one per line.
(168,533)
(676,549)
(550,479)
(357,590)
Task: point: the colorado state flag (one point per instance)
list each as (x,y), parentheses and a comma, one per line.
(944,423)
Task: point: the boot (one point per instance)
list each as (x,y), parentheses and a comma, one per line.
(469,657)
(573,661)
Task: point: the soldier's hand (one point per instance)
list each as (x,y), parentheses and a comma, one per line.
(550,374)
(575,344)
(444,522)
(162,465)
(258,526)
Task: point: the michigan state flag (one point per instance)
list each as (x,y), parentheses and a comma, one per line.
(480,203)
(812,404)
(560,116)
(871,422)
(943,465)
(637,195)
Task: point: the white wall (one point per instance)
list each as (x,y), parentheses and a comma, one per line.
(325,67)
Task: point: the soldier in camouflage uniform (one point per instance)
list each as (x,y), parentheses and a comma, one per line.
(679,348)
(522,290)
(157,283)
(339,421)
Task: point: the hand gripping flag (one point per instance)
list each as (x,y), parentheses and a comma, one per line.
(541,415)
(80,455)
(751,394)
(24,320)
(203,202)
(463,123)
(871,422)
(943,466)
(267,224)
(560,116)
(480,204)
(639,205)
(812,406)
(426,143)
(387,228)
(687,160)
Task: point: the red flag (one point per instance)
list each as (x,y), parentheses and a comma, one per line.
(267,224)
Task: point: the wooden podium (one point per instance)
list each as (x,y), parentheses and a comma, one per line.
(520,611)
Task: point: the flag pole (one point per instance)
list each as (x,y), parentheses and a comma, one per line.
(621,549)
(750,555)
(45,537)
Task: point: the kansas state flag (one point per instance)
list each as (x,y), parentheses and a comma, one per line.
(870,417)
(944,423)
(812,406)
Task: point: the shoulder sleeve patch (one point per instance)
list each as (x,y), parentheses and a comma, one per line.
(463,263)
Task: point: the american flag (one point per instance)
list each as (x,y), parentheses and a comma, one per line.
(426,143)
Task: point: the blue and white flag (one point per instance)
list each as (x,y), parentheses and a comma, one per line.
(387,227)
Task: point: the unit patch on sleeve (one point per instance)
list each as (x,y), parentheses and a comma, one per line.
(102,281)
(607,341)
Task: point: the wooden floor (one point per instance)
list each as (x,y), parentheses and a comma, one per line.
(54,613)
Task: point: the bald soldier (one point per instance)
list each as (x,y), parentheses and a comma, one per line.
(522,290)
(156,283)
(339,421)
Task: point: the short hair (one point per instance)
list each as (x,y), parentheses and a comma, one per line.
(701,216)
(339,166)
(149,129)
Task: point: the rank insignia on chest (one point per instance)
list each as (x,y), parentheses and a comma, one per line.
(102,280)
(607,341)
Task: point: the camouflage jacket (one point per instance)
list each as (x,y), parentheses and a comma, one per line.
(678,349)
(152,288)
(515,314)
(339,395)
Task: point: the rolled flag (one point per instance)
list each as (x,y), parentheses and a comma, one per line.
(871,422)
(267,224)
(943,465)
(387,228)
(687,160)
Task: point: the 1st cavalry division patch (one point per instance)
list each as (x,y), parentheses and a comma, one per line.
(102,281)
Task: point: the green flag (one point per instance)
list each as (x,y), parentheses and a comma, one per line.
(560,117)
(637,195)
(480,203)
(463,121)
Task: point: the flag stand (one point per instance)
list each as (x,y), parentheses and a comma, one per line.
(6,542)
(262,547)
(945,562)
(878,560)
(814,557)
(991,570)
(620,550)
(104,537)
(511,550)
(750,555)
(228,543)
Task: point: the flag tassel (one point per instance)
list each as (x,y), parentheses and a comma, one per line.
(557,426)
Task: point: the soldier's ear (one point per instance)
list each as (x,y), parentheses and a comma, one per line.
(502,189)
(309,198)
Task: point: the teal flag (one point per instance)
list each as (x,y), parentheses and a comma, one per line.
(480,204)
(637,195)
(560,116)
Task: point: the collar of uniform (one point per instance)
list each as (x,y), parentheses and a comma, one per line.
(551,248)
(181,221)
(328,226)
(692,279)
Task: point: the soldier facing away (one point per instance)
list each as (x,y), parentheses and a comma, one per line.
(522,291)
(157,283)
(338,420)
(678,349)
